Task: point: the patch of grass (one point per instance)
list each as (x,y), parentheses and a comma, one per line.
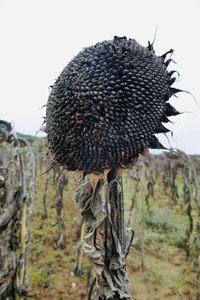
(163,220)
(177,236)
(150,238)
(42,276)
(150,221)
(156,274)
(154,237)
(38,249)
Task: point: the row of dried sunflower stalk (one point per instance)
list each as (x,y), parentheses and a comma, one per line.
(165,171)
(17,193)
(17,197)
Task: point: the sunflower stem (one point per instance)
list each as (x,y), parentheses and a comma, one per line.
(116,201)
(106,241)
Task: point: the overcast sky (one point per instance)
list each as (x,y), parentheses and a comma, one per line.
(39,37)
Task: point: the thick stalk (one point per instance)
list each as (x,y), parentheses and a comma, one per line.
(106,241)
(21,251)
(116,203)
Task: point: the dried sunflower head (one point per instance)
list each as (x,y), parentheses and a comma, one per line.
(107,104)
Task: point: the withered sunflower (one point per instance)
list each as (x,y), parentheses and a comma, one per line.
(107,105)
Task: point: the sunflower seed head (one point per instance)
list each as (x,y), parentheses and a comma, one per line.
(107,104)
